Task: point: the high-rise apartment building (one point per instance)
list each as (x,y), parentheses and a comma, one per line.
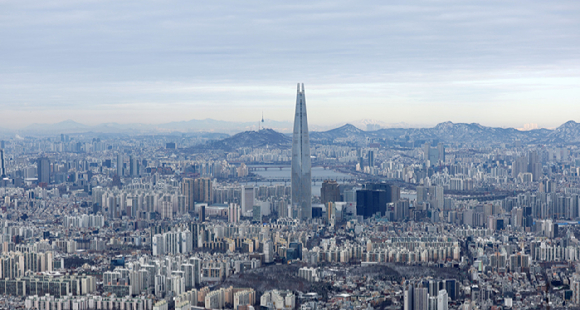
(301,163)
(408,298)
(187,191)
(575,287)
(420,299)
(202,190)
(442,300)
(233,213)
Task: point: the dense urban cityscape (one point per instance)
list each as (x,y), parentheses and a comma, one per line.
(459,216)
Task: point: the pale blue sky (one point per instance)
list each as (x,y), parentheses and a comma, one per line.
(499,63)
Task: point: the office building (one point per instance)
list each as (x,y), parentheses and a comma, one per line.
(329,192)
(133,166)
(374,197)
(370,202)
(43,169)
(393,191)
(434,155)
(441,151)
(2,164)
(371,157)
(451,288)
(247,198)
(202,212)
(301,164)
(257,214)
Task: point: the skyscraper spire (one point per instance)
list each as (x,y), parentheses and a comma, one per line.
(301,164)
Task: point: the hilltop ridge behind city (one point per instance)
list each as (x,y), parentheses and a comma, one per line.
(225,131)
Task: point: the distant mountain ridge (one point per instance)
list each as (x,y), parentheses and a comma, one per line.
(194,125)
(448,132)
(567,133)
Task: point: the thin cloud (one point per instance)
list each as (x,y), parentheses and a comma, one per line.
(80,56)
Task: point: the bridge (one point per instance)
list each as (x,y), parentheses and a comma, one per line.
(314,179)
(265,167)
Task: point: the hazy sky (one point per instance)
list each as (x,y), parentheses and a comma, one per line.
(499,63)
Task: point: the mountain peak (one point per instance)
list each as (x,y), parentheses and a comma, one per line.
(446,124)
(347,129)
(569,124)
(348,125)
(254,139)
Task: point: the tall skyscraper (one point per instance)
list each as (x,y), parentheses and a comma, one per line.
(43,168)
(247,198)
(441,151)
(134,166)
(371,156)
(420,299)
(187,190)
(301,165)
(257,214)
(2,166)
(202,212)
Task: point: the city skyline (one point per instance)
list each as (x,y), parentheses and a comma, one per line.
(498,64)
(148,158)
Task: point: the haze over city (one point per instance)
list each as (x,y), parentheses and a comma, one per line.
(502,64)
(328,155)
